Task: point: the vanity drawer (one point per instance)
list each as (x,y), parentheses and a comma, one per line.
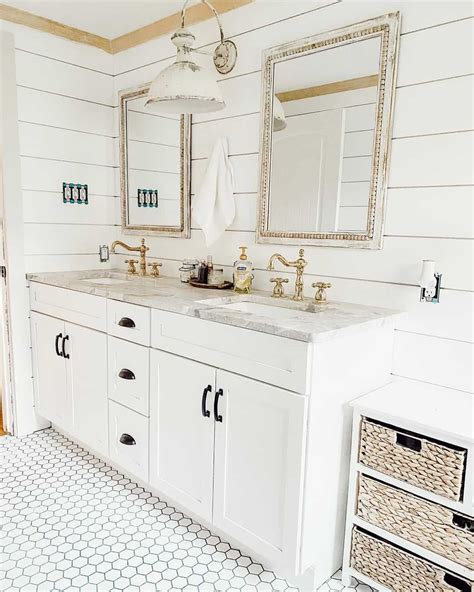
(128,440)
(82,309)
(128,374)
(275,360)
(399,570)
(431,465)
(128,321)
(419,521)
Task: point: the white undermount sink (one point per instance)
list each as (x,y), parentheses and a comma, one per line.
(266,310)
(106,281)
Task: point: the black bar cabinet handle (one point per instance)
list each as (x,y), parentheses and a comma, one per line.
(204,411)
(126,322)
(127,440)
(217,417)
(126,374)
(65,338)
(56,345)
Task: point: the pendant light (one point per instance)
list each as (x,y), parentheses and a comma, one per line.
(185,87)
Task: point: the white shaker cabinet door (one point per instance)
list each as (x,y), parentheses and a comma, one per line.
(182,430)
(259,465)
(52,396)
(86,358)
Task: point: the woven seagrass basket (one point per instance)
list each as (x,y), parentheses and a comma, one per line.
(398,570)
(419,521)
(430,465)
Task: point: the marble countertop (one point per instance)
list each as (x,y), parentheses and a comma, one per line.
(310,322)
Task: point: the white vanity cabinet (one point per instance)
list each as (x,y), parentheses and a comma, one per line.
(69,366)
(182,431)
(70,362)
(260,439)
(230,450)
(52,397)
(246,430)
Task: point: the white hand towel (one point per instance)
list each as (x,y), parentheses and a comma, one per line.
(214,205)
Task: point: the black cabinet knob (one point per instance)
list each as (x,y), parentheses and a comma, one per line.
(127,440)
(126,322)
(126,374)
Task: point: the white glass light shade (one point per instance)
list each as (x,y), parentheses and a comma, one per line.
(279,117)
(184,87)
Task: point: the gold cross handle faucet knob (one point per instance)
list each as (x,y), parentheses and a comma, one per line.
(321,297)
(132,270)
(155,269)
(278,290)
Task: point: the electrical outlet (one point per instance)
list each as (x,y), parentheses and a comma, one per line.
(75,193)
(147,198)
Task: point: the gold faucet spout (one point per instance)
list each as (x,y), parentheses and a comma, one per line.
(142,249)
(299,264)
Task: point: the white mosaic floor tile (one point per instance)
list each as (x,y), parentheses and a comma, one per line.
(71,522)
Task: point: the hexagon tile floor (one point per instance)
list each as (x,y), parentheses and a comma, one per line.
(71,522)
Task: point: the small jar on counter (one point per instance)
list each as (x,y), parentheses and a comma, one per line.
(186,273)
(216,276)
(188,270)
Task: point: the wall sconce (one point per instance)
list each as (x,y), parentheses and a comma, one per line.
(184,87)
(430,282)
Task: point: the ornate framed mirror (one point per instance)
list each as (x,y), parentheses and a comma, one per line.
(155,167)
(325,136)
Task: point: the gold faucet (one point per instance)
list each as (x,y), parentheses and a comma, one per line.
(299,264)
(142,249)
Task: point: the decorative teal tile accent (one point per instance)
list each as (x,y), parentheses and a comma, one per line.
(75,193)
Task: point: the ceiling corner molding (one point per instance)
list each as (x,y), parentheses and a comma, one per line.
(196,13)
(27,19)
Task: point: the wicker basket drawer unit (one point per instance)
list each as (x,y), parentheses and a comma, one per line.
(431,465)
(419,521)
(399,570)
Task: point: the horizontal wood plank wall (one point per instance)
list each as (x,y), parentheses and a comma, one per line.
(430,199)
(67,133)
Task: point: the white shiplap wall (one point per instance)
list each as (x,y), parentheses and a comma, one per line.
(67,98)
(430,200)
(67,133)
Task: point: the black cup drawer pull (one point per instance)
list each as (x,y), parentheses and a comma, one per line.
(56,345)
(127,440)
(409,442)
(204,411)
(217,417)
(457,583)
(463,522)
(126,322)
(63,347)
(126,374)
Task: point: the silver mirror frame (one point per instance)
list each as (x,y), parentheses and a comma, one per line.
(388,28)
(183,230)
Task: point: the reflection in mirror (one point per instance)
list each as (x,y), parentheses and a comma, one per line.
(328,100)
(154,168)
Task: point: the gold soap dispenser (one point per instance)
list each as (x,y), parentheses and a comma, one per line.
(243,275)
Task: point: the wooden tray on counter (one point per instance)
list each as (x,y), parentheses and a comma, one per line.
(223,286)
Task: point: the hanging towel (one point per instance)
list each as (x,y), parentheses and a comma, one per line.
(214,205)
